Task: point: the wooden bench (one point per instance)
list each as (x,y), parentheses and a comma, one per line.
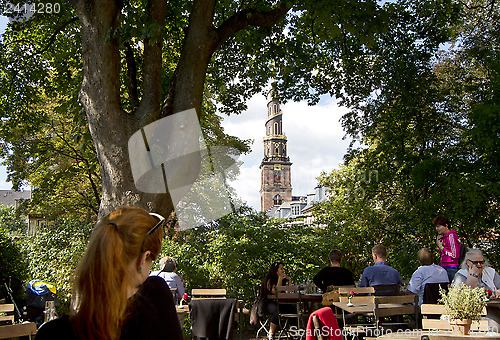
(14,331)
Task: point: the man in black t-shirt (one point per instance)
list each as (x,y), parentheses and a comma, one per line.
(334,275)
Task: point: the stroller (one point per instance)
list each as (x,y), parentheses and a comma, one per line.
(37,294)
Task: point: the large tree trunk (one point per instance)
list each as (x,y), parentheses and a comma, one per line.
(110,126)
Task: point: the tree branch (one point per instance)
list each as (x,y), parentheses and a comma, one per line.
(131,76)
(150,105)
(250,17)
(168,102)
(56,32)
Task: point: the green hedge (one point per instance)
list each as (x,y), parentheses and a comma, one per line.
(53,254)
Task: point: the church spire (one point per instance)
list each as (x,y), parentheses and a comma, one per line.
(276,185)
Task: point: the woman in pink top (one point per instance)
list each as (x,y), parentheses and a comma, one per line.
(448,244)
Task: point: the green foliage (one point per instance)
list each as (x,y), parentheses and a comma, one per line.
(236,252)
(464,302)
(10,222)
(13,266)
(53,254)
(427,124)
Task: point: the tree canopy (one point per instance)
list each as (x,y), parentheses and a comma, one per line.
(122,65)
(430,131)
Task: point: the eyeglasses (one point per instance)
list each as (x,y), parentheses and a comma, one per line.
(157,225)
(476,262)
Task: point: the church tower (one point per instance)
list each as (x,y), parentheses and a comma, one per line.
(276,186)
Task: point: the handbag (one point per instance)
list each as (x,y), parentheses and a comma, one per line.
(254,316)
(331,296)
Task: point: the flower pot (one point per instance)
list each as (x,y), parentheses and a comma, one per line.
(461,326)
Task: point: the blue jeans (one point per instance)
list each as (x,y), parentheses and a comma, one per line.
(451,271)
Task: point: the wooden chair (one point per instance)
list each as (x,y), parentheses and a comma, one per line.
(8,329)
(18,330)
(7,308)
(380,307)
(291,296)
(316,327)
(409,305)
(220,293)
(212,318)
(358,291)
(431,292)
(264,320)
(427,310)
(208,293)
(382,290)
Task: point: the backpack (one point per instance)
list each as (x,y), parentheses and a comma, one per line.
(461,256)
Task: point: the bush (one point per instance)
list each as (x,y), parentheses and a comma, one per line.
(10,222)
(13,266)
(53,254)
(235,253)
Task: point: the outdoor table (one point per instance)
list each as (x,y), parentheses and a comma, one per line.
(308,299)
(379,307)
(367,307)
(182,311)
(419,334)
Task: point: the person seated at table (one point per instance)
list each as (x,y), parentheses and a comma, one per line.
(335,275)
(275,277)
(428,272)
(380,273)
(476,272)
(168,268)
(113,297)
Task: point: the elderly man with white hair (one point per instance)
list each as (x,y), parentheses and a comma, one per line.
(476,272)
(168,266)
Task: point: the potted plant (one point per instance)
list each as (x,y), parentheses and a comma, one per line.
(462,305)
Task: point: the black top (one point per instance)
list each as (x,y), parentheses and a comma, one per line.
(152,316)
(333,276)
(212,318)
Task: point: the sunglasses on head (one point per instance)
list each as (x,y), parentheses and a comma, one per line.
(156,226)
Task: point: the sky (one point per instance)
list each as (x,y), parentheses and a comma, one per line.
(314,143)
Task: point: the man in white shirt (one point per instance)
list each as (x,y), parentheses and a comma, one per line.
(428,272)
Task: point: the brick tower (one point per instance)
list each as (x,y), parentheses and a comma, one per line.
(276,186)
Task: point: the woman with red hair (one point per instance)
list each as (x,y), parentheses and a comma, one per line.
(113,297)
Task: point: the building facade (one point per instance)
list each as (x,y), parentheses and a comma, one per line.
(276,182)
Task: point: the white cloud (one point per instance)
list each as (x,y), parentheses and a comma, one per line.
(314,143)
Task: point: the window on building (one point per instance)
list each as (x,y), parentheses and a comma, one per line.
(278,200)
(295,210)
(275,128)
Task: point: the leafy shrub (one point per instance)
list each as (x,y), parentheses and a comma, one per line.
(53,254)
(10,222)
(13,266)
(235,253)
